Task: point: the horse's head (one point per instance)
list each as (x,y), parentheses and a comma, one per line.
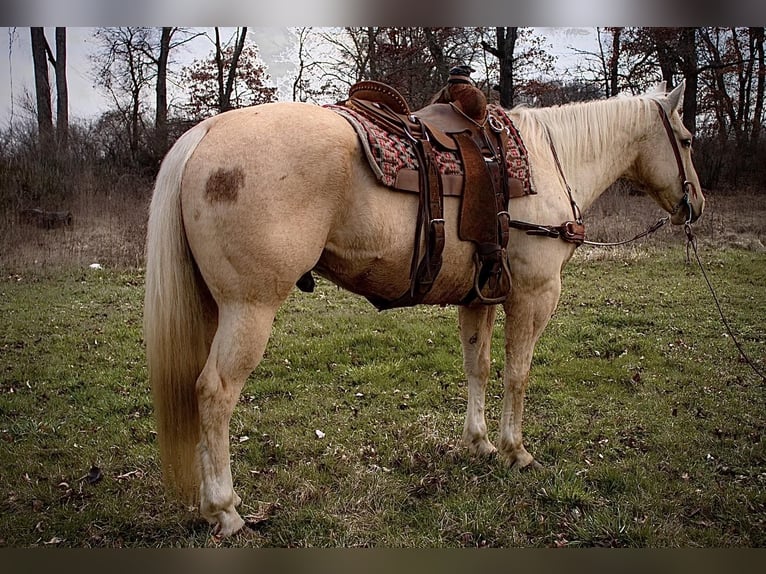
(664,167)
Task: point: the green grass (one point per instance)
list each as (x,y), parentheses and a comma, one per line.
(650,429)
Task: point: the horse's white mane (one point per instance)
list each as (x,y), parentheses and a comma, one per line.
(585,128)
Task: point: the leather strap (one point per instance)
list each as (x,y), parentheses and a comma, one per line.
(674,145)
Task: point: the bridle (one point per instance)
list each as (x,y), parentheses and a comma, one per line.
(574,231)
(685,183)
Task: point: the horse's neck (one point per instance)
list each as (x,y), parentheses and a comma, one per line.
(596,142)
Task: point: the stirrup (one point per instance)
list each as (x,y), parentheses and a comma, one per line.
(504,276)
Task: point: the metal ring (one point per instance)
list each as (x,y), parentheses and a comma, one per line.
(494,123)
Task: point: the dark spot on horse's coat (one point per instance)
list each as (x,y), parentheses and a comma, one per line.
(224,184)
(473,339)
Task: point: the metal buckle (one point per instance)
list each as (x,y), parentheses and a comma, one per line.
(436,221)
(495,124)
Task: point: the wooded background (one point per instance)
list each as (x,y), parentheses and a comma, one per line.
(47,159)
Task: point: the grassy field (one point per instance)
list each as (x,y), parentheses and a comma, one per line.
(651,431)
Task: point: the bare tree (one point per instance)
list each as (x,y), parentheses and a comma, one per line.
(42,90)
(673,52)
(612,70)
(602,67)
(161,91)
(351,56)
(307,55)
(436,49)
(226,77)
(299,86)
(41,55)
(523,60)
(728,79)
(757,35)
(158,51)
(505,39)
(689,66)
(124,71)
(216,84)
(415,61)
(62,90)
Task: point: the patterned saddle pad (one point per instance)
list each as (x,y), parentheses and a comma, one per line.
(391,156)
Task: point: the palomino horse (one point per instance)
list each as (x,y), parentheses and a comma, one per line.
(249,201)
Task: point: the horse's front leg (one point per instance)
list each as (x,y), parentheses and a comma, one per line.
(476,324)
(527,314)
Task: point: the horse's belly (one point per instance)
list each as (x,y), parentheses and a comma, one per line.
(385,277)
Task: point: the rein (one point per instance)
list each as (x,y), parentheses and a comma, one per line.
(691,241)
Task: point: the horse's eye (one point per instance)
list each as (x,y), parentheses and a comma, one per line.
(687,143)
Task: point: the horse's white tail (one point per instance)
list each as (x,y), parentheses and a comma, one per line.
(176,317)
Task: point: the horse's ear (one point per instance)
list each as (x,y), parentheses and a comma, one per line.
(676,97)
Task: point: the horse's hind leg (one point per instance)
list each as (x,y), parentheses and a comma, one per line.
(476,324)
(237,348)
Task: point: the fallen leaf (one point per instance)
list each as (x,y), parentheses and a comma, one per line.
(131,474)
(54,540)
(265,511)
(319,433)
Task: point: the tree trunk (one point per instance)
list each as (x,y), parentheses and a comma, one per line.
(226,100)
(437,53)
(372,55)
(614,61)
(664,46)
(161,114)
(690,71)
(758,35)
(219,68)
(507,84)
(506,44)
(135,112)
(62,91)
(42,90)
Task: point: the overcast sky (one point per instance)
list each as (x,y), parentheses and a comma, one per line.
(86,101)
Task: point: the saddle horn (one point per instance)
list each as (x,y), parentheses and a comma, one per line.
(461,92)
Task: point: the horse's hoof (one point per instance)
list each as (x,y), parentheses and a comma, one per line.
(226,524)
(522,460)
(532,466)
(480,448)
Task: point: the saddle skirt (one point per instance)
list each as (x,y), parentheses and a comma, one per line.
(394,162)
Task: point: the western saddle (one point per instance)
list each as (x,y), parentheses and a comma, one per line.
(456,120)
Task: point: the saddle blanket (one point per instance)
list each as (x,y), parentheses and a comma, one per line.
(392,157)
